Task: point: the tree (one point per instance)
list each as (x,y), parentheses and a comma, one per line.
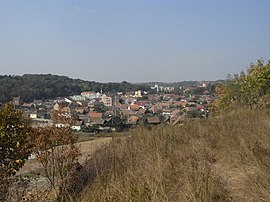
(255,85)
(247,89)
(100,107)
(56,150)
(227,96)
(14,147)
(14,143)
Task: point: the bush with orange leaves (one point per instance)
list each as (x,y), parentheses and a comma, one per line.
(55,149)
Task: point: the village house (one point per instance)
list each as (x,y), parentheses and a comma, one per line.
(142,111)
(128,113)
(156,109)
(111,100)
(138,94)
(37,102)
(154,120)
(90,95)
(95,118)
(77,126)
(132,120)
(107,100)
(168,89)
(28,106)
(180,104)
(66,108)
(77,97)
(142,104)
(179,119)
(134,107)
(167,111)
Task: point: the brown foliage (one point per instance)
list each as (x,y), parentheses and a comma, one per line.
(55,149)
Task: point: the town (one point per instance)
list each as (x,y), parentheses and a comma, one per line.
(96,112)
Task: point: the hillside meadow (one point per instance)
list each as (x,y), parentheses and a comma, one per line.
(226,158)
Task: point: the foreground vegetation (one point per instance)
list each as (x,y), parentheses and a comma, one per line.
(225,158)
(220,159)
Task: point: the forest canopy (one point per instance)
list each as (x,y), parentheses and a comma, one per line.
(47,86)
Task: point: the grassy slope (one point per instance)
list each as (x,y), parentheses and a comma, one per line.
(221,159)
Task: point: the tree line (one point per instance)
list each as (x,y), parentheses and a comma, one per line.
(47,86)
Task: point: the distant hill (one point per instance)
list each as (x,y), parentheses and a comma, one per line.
(183,84)
(46,86)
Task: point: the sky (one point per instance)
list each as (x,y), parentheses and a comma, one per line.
(133,40)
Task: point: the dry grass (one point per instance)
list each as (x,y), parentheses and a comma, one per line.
(220,159)
(30,183)
(87,148)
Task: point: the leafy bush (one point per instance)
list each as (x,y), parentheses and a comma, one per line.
(14,144)
(250,89)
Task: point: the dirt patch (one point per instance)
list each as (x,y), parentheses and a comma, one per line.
(235,180)
(87,149)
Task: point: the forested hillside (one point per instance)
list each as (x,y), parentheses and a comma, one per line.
(45,86)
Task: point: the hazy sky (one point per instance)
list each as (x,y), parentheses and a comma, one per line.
(133,40)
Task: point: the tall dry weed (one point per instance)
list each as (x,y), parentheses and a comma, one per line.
(224,158)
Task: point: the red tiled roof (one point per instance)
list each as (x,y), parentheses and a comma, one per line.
(140,103)
(133,120)
(164,104)
(142,111)
(154,119)
(98,121)
(180,103)
(179,119)
(95,115)
(199,107)
(134,107)
(128,112)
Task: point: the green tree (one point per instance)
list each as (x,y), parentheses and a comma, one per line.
(100,107)
(14,144)
(227,96)
(247,89)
